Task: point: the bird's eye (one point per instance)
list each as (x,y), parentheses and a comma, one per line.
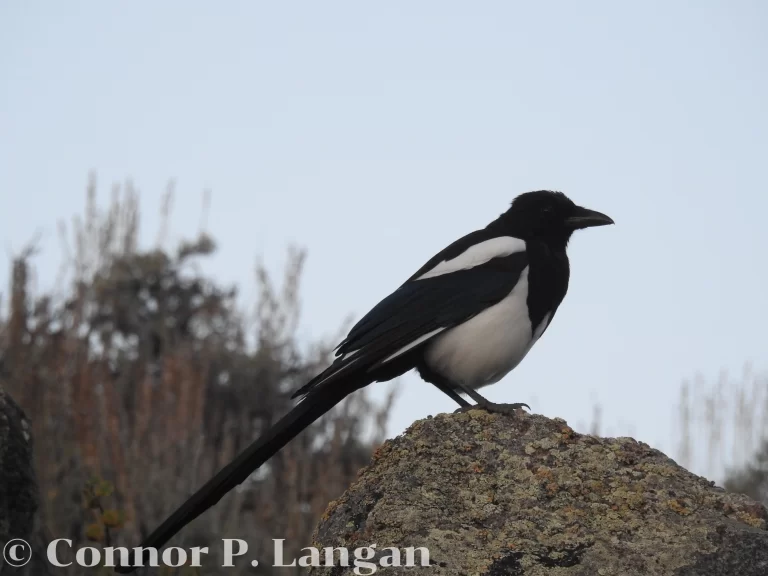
(547,209)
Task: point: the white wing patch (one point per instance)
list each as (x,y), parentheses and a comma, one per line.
(477,255)
(413,344)
(349,354)
(339,370)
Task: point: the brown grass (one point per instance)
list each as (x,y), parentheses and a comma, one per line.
(140,384)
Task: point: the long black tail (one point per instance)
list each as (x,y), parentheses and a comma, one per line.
(317,403)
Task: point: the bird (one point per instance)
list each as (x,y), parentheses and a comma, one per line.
(463,321)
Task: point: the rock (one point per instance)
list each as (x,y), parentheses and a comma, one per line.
(525,495)
(19,495)
(18,487)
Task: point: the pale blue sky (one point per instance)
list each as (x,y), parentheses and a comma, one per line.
(376,133)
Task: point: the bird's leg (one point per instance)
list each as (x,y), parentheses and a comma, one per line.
(485,404)
(445,388)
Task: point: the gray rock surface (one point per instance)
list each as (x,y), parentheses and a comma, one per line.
(525,495)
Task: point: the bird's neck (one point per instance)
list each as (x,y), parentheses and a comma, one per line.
(556,243)
(510,226)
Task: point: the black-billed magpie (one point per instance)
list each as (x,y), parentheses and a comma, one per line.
(463,320)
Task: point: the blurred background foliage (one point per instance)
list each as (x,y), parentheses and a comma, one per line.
(142,378)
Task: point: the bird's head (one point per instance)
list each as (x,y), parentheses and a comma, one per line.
(550,216)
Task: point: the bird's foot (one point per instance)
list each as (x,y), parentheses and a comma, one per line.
(493,408)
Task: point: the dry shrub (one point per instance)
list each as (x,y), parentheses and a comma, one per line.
(723,431)
(142,378)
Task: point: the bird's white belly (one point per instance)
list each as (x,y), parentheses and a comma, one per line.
(485,348)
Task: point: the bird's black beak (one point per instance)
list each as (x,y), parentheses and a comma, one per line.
(585,218)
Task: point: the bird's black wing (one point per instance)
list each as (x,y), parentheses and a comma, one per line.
(417,311)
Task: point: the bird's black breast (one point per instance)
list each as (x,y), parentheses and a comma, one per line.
(548,275)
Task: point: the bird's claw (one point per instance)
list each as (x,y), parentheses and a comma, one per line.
(494,408)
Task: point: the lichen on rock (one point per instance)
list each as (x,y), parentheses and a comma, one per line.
(496,495)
